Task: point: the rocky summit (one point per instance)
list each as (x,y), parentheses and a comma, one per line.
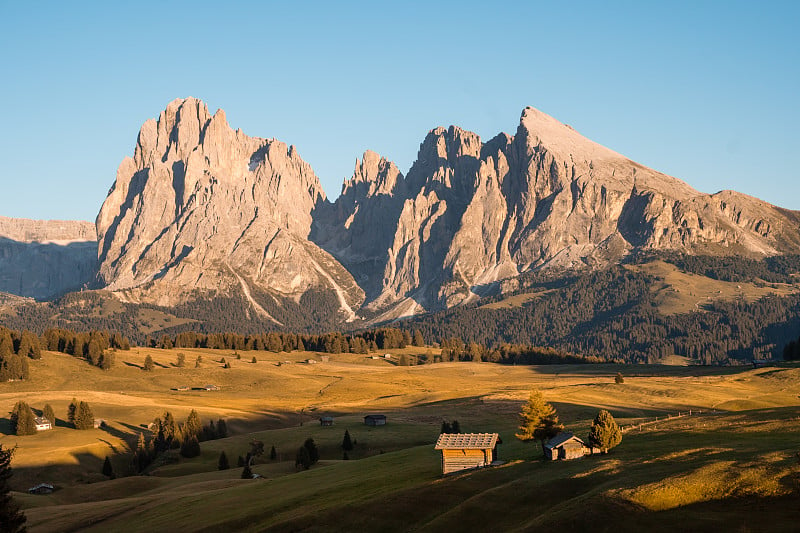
(202,210)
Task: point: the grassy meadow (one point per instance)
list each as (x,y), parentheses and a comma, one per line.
(732,467)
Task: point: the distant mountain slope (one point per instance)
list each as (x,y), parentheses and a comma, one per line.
(45,258)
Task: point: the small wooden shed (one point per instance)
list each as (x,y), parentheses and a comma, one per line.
(326,421)
(375,420)
(464,451)
(42,488)
(565,445)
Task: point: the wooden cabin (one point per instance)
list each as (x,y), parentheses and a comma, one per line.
(42,424)
(375,420)
(465,451)
(42,488)
(565,446)
(326,421)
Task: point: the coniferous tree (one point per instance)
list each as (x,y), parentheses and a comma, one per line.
(108,471)
(605,433)
(347,444)
(456,427)
(12,520)
(71,410)
(84,418)
(246,472)
(222,464)
(302,458)
(49,414)
(538,419)
(273,454)
(190,447)
(107,359)
(22,419)
(313,452)
(148,363)
(193,424)
(181,361)
(446,428)
(619,379)
(222,429)
(198,361)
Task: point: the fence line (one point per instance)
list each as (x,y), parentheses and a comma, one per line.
(640,425)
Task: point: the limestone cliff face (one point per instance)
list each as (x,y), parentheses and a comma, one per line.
(203,208)
(46,258)
(470,213)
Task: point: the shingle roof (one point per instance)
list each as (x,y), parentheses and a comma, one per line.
(462,441)
(561,438)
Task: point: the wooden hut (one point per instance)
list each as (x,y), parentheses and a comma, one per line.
(375,420)
(464,451)
(42,424)
(326,421)
(565,445)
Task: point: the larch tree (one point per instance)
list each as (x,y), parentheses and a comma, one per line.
(84,418)
(49,414)
(605,433)
(538,420)
(12,520)
(223,464)
(22,419)
(347,444)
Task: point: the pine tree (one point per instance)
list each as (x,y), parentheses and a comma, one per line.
(347,444)
(148,363)
(108,471)
(49,414)
(605,433)
(254,360)
(181,362)
(538,420)
(198,361)
(193,424)
(403,360)
(618,379)
(246,472)
(222,464)
(418,338)
(302,459)
(107,359)
(12,520)
(84,418)
(446,428)
(71,410)
(22,419)
(273,454)
(222,429)
(456,427)
(190,447)
(313,452)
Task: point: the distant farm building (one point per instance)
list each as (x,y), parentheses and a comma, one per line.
(375,420)
(387,356)
(325,358)
(42,424)
(326,421)
(311,361)
(42,488)
(565,446)
(99,423)
(210,387)
(465,451)
(760,363)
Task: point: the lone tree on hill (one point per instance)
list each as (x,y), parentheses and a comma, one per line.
(84,418)
(273,454)
(148,364)
(108,471)
(11,518)
(22,419)
(49,414)
(223,461)
(605,433)
(181,362)
(347,444)
(618,379)
(538,420)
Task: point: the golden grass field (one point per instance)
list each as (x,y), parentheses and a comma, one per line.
(733,467)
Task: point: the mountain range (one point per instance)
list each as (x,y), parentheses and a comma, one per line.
(202,210)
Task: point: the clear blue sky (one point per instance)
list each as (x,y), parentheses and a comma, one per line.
(705,91)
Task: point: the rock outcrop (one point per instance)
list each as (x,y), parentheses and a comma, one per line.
(202,209)
(469,214)
(46,258)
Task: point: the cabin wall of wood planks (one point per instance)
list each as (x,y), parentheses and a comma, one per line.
(457,460)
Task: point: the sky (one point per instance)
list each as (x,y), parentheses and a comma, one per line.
(705,91)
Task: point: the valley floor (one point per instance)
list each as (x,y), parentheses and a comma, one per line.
(733,464)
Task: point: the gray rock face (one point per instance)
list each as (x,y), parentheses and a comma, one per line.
(201,208)
(470,214)
(45,258)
